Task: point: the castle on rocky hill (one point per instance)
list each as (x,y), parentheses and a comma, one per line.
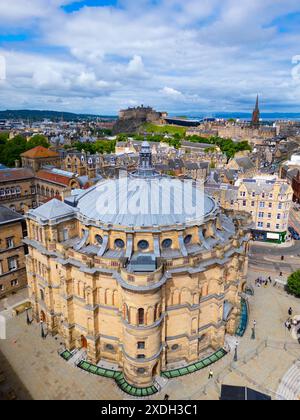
(131,119)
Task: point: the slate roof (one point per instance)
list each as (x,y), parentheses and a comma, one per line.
(52,210)
(245,163)
(7,215)
(15,174)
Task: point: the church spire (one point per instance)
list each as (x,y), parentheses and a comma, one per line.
(257,104)
(256,114)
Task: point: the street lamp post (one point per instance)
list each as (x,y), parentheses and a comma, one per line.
(253,336)
(236,351)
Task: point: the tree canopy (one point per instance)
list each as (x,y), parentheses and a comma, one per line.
(11,149)
(293,284)
(100,146)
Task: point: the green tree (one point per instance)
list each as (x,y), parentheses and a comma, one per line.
(12,150)
(293,284)
(4,136)
(37,140)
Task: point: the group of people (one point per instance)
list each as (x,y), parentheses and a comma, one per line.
(259,282)
(290,322)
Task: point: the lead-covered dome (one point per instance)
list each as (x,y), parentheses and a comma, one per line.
(146,202)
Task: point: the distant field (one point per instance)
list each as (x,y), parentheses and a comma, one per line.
(164,129)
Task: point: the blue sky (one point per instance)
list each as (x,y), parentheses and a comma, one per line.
(193,56)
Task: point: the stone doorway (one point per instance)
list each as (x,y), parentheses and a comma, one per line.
(84,343)
(43,316)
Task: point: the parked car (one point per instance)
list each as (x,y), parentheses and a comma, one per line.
(295,235)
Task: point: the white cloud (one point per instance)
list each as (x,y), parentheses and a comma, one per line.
(20,11)
(136,67)
(173,93)
(173,55)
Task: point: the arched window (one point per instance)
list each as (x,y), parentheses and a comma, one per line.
(141,316)
(42,295)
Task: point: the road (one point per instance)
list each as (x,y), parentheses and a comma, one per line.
(294,220)
(267,259)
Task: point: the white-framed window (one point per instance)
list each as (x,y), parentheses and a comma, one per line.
(278,216)
(280,206)
(244,203)
(12,263)
(252,203)
(66,234)
(261,214)
(14,283)
(10,243)
(262,205)
(270,205)
(260,224)
(268,225)
(277,227)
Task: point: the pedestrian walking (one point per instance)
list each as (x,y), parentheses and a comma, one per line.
(167,397)
(211,374)
(290,312)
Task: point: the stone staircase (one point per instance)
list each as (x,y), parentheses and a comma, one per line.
(78,356)
(160,382)
(289,388)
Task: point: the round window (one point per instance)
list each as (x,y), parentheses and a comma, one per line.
(109,347)
(167,243)
(119,243)
(143,245)
(141,371)
(188,239)
(99,239)
(175,347)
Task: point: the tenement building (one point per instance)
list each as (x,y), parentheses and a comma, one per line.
(17,189)
(143,290)
(268,199)
(12,251)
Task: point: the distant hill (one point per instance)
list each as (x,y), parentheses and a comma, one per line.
(33,115)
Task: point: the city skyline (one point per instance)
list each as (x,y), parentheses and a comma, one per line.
(100,56)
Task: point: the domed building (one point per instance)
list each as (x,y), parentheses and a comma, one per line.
(144,272)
